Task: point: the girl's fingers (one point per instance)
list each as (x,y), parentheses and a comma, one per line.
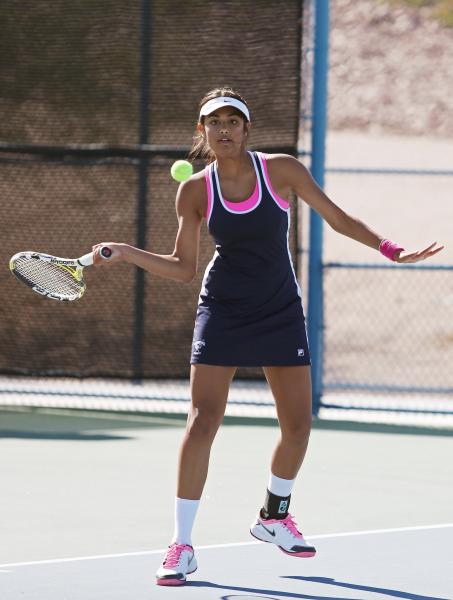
(97,258)
(425,250)
(431,246)
(419,255)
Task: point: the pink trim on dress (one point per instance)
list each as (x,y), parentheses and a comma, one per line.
(245,205)
(208,188)
(284,204)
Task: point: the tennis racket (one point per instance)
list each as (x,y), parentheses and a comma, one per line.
(51,276)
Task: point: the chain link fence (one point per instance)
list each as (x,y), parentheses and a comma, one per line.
(99,99)
(388,332)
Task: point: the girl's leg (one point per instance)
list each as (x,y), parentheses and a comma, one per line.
(209,390)
(291,388)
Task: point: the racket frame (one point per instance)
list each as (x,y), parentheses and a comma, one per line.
(73,266)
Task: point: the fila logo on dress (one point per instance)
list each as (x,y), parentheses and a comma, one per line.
(198,347)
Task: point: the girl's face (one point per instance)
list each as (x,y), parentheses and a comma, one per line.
(226,131)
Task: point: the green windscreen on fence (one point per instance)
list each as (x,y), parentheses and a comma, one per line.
(78,74)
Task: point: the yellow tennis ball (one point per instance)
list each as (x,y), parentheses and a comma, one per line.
(181,170)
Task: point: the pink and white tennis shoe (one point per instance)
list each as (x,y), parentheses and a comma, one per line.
(283,533)
(178,562)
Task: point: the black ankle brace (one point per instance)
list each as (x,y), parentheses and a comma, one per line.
(275,507)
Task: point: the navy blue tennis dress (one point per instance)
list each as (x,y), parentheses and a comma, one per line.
(250,309)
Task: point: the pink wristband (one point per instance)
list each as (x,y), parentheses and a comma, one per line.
(388,249)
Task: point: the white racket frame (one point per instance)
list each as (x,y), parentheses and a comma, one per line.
(75,267)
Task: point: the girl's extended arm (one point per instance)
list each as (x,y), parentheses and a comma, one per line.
(306,188)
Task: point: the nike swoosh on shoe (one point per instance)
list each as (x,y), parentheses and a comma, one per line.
(271,532)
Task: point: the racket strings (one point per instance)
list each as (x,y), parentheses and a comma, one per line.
(50,277)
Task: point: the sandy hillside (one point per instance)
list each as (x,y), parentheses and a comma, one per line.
(391,69)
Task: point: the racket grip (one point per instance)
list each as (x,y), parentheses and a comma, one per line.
(87,259)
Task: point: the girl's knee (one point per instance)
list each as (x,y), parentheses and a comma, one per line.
(203,423)
(297,432)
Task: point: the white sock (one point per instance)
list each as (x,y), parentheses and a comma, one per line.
(185,512)
(279,486)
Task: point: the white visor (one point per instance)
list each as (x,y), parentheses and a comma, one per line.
(222,101)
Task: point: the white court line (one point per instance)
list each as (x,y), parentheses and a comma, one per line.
(215,546)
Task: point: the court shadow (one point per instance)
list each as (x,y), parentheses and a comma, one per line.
(347,426)
(78,426)
(363,588)
(60,435)
(264,594)
(357,426)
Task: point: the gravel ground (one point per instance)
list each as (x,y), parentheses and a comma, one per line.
(390,69)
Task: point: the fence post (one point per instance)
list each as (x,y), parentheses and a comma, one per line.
(319,123)
(142,191)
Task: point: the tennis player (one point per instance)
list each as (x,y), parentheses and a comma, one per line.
(249,311)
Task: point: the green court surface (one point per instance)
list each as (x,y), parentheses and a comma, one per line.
(82,484)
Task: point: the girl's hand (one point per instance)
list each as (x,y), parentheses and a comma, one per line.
(413,257)
(118,254)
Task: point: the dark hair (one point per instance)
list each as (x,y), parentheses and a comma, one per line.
(200,147)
